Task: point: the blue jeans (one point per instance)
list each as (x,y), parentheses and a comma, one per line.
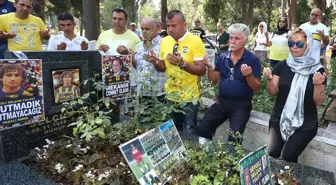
(186,121)
(3,49)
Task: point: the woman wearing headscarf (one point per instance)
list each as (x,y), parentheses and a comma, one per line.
(260,48)
(299,84)
(278,44)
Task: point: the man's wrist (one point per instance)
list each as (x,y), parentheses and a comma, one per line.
(250,76)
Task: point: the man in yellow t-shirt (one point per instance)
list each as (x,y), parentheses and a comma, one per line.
(109,40)
(23,30)
(181,56)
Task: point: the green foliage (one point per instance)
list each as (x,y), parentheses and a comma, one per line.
(213,163)
(93,116)
(331,77)
(262,101)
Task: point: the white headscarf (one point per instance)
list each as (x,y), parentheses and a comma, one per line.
(292,116)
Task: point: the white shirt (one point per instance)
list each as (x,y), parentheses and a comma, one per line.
(71,45)
(314,28)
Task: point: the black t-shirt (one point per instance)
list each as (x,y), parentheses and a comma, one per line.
(198,32)
(310,111)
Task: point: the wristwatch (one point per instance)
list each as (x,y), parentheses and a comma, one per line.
(182,64)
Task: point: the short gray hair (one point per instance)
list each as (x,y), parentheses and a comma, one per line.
(240,28)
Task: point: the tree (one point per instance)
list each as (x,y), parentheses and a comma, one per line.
(291,11)
(91,19)
(164,12)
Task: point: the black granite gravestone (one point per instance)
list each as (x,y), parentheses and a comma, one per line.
(16,142)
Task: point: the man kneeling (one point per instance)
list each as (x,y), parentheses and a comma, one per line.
(239,74)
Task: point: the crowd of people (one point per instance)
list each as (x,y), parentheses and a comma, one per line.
(176,59)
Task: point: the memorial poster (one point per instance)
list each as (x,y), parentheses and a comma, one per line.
(212,55)
(66,85)
(116,75)
(153,153)
(21,92)
(255,168)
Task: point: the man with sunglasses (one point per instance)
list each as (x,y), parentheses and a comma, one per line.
(181,57)
(316,27)
(238,74)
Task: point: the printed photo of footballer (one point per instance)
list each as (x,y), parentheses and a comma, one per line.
(136,157)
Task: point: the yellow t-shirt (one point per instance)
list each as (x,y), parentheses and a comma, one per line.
(181,85)
(27,32)
(128,39)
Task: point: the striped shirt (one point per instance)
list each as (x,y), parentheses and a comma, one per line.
(150,81)
(68,93)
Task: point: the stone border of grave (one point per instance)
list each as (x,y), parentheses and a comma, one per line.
(320,153)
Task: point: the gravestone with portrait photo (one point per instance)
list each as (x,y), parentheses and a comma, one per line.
(255,168)
(17,142)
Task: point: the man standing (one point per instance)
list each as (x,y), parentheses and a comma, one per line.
(119,37)
(11,77)
(6,7)
(148,75)
(181,56)
(316,27)
(198,31)
(109,40)
(222,39)
(68,40)
(22,30)
(134,29)
(239,76)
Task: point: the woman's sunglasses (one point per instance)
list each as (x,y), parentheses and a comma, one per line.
(299,44)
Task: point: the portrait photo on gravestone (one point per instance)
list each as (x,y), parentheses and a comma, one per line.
(21,92)
(116,75)
(255,168)
(66,85)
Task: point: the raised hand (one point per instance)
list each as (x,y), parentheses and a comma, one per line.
(319,78)
(7,35)
(84,45)
(61,46)
(246,70)
(104,47)
(45,34)
(267,73)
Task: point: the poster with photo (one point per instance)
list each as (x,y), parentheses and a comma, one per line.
(212,55)
(255,168)
(21,92)
(116,72)
(66,85)
(171,135)
(153,153)
(155,146)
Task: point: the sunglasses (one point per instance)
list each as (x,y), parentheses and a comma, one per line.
(282,21)
(261,26)
(175,48)
(299,44)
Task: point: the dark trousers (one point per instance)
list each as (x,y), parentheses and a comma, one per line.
(292,149)
(186,121)
(3,49)
(237,111)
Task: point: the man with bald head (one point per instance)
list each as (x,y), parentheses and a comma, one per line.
(316,27)
(181,56)
(150,81)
